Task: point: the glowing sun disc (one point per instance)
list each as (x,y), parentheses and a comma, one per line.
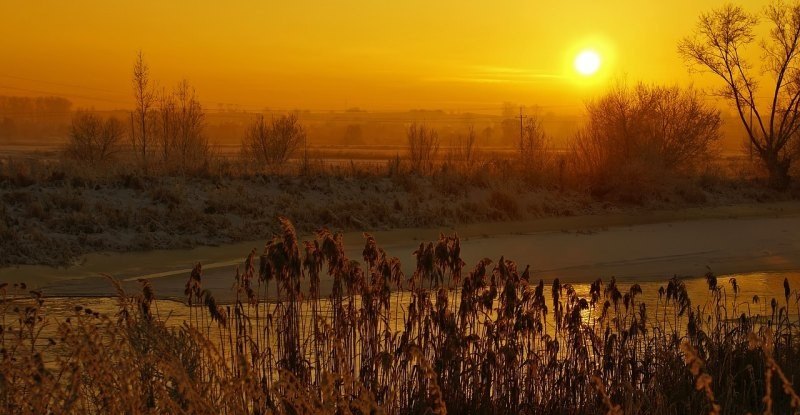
(587,62)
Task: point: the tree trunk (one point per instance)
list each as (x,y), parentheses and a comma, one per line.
(778,169)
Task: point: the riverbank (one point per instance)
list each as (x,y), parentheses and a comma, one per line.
(630,246)
(58,221)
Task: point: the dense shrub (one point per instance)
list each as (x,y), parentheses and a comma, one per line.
(637,138)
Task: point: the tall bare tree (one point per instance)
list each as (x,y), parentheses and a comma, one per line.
(465,146)
(144,95)
(166,125)
(178,130)
(191,146)
(719,45)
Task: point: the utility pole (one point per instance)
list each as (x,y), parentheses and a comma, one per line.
(521,128)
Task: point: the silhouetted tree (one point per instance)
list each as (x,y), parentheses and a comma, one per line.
(167,129)
(178,133)
(275,142)
(141,123)
(423,145)
(92,140)
(533,147)
(463,151)
(719,44)
(191,146)
(466,145)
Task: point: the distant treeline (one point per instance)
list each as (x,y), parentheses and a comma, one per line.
(48,119)
(33,117)
(358,127)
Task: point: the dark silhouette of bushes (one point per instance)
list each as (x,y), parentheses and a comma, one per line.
(311,331)
(505,204)
(92,140)
(273,143)
(638,138)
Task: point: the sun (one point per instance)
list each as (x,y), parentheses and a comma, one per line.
(587,63)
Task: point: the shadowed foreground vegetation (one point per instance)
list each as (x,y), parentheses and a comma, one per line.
(441,340)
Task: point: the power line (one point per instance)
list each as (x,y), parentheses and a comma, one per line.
(59,84)
(50,93)
(213,106)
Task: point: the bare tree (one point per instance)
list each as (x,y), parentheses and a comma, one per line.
(191,146)
(467,145)
(462,153)
(719,45)
(275,142)
(423,146)
(179,133)
(167,120)
(534,145)
(141,123)
(93,141)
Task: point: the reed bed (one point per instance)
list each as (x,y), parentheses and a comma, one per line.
(443,340)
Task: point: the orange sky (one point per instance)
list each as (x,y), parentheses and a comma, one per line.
(331,55)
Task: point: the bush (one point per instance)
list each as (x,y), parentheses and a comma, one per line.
(275,142)
(644,136)
(504,203)
(93,140)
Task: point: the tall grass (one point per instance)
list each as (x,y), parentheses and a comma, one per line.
(442,339)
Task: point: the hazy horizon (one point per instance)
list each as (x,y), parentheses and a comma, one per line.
(287,56)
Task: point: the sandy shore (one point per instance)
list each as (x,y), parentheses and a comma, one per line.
(647,245)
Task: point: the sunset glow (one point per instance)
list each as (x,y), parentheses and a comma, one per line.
(587,63)
(331,56)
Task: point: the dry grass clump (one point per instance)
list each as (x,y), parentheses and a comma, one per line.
(442,340)
(504,204)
